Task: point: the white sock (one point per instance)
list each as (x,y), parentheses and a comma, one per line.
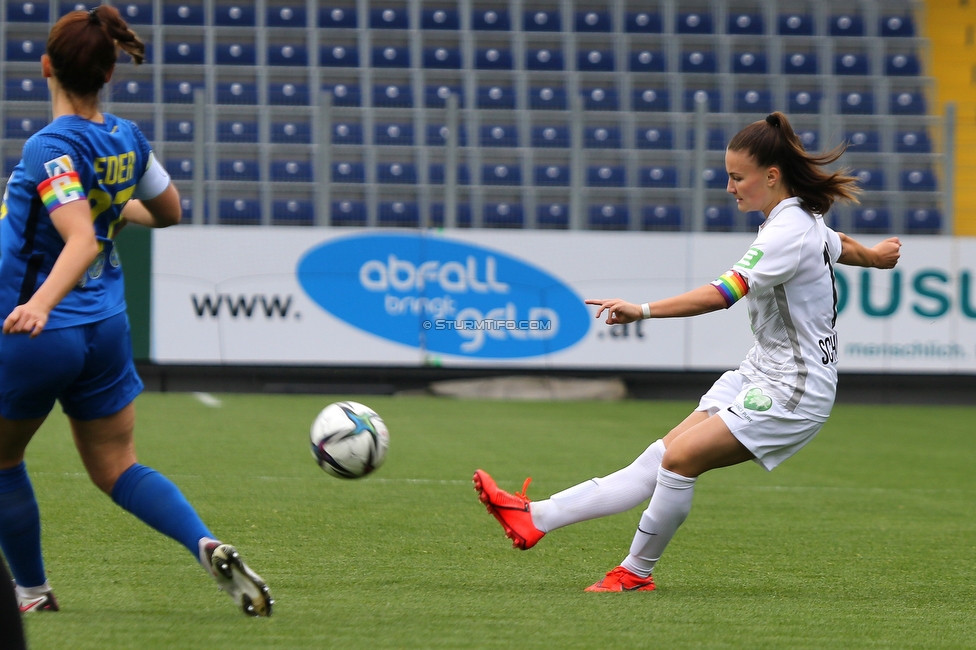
(32,592)
(599,497)
(668,509)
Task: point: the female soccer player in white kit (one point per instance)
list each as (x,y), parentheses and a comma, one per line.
(781,394)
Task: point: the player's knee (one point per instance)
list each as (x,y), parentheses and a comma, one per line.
(679,461)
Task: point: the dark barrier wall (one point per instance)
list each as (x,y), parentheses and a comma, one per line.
(135,249)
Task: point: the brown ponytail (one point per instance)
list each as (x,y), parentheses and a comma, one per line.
(83,47)
(772,142)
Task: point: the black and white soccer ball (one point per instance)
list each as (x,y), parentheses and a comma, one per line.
(349,440)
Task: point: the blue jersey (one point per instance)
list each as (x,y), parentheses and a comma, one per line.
(70,159)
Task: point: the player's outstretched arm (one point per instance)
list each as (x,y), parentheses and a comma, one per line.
(159,212)
(883,255)
(702,300)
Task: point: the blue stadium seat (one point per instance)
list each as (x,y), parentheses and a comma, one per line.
(492,20)
(749,63)
(923,220)
(600,99)
(715,139)
(856,103)
(388,18)
(869,179)
(398,214)
(292,211)
(913,142)
(712,99)
(9,163)
(902,65)
(148,128)
(437,174)
(348,213)
(851,64)
(396,173)
(498,136)
(810,139)
(292,94)
(643,22)
(25,89)
(654,138)
(896,25)
(390,56)
(290,16)
(237,93)
(437,135)
(288,54)
(27,12)
(25,49)
(238,170)
(180,169)
(719,218)
(463,215)
(609,217)
(181,92)
(136,13)
(795,25)
(447,58)
(440,19)
(907,103)
(716,178)
(498,97)
(917,180)
(502,215)
(863,141)
(393,134)
(548,99)
(436,96)
(754,219)
(234,15)
(550,137)
(183,14)
(237,131)
(346,133)
(541,21)
(393,96)
(127,91)
(235,54)
(552,175)
(544,59)
(804,101)
(658,177)
(647,61)
(871,220)
(501,174)
(753,101)
(593,21)
(493,58)
(602,137)
(606,176)
(240,210)
(648,99)
(699,61)
(800,63)
(595,61)
(339,56)
(846,25)
(184,53)
(21,128)
(179,130)
(661,217)
(338,17)
(348,172)
(552,216)
(291,171)
(741,23)
(694,23)
(294,132)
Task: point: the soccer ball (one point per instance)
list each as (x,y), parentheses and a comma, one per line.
(349,440)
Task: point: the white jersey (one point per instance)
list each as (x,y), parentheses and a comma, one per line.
(793,308)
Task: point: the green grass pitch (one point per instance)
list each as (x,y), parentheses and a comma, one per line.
(866,538)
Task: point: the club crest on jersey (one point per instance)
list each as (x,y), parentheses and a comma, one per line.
(58,166)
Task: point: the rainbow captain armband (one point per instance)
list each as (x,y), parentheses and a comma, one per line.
(732,286)
(60,190)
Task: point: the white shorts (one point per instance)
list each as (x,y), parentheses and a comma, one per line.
(759,422)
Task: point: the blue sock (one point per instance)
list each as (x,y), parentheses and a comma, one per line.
(20,527)
(157,501)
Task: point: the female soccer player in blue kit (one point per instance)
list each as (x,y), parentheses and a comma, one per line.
(65,331)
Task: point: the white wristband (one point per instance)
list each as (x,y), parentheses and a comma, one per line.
(646,310)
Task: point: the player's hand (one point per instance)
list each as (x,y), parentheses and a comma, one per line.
(25,319)
(887,253)
(618,311)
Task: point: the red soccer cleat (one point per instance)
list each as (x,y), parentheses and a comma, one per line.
(511,510)
(620,579)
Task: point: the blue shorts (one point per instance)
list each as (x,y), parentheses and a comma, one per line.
(88,368)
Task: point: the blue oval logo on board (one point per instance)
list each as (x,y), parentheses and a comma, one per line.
(443,296)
